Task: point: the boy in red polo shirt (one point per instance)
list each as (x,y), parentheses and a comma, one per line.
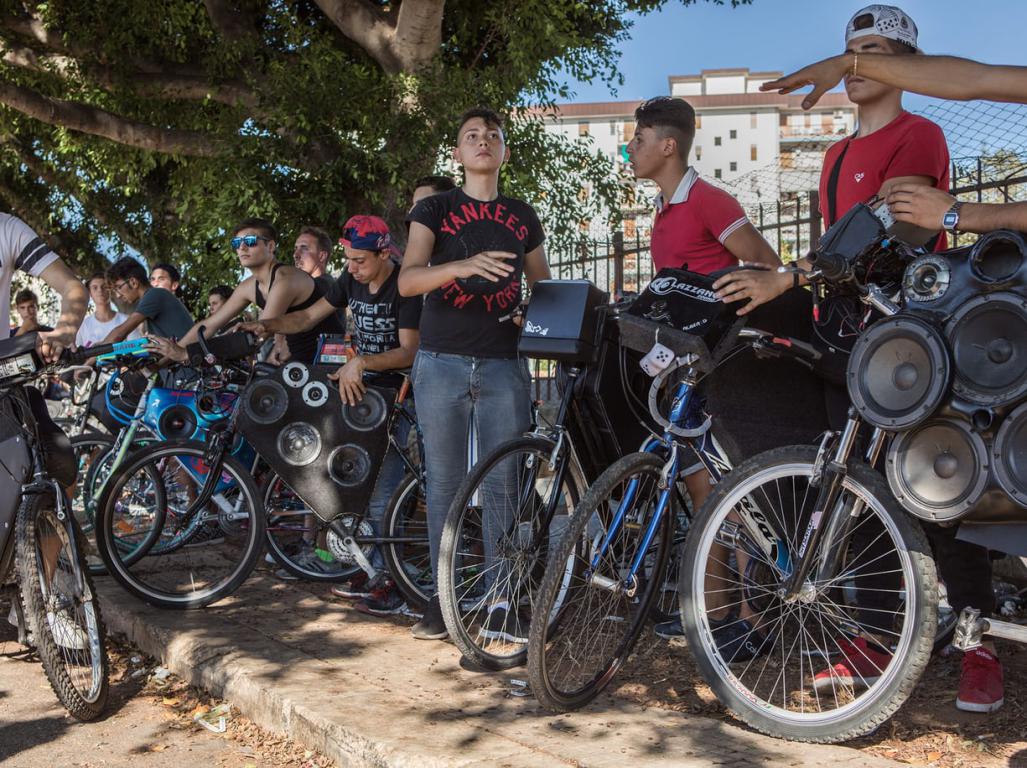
(697,227)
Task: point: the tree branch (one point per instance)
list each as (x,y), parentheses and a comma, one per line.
(405,45)
(98,122)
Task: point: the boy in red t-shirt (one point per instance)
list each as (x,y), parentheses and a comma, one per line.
(697,227)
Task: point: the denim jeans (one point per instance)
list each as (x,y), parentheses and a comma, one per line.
(454,393)
(391,475)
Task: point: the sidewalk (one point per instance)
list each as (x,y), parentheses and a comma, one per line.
(365,693)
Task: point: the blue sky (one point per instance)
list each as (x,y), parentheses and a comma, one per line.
(788,34)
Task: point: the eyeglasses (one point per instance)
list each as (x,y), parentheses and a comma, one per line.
(248,240)
(120,286)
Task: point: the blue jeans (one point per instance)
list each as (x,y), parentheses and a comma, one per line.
(454,393)
(391,475)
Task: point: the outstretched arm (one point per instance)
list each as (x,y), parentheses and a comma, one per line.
(73,308)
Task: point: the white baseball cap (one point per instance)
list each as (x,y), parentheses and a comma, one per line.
(889,21)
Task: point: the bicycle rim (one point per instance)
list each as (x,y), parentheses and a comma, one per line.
(409,560)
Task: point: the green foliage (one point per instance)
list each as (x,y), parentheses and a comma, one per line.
(296,120)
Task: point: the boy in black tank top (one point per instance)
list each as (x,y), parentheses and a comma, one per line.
(276,289)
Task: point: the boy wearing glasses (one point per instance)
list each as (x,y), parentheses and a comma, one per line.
(470,250)
(162,312)
(275,288)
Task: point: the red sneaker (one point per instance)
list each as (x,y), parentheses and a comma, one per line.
(980,687)
(861,665)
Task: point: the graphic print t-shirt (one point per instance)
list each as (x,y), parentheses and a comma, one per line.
(464,317)
(377,317)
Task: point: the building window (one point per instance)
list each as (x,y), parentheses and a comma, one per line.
(582,129)
(698,121)
(716,141)
(698,152)
(752,119)
(717,173)
(733,134)
(752,152)
(734,166)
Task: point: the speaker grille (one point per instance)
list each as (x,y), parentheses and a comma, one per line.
(898,373)
(177,422)
(938,470)
(1010,455)
(266,401)
(349,465)
(299,444)
(370,413)
(988,336)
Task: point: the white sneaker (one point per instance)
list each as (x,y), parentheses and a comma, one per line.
(66,633)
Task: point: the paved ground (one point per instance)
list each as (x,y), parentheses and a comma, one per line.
(364,693)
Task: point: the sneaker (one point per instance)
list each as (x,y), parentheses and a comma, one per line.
(980,686)
(66,633)
(357,588)
(504,624)
(431,626)
(208,535)
(384,600)
(670,630)
(737,640)
(861,665)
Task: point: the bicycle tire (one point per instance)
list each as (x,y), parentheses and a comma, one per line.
(409,563)
(45,610)
(466,612)
(96,446)
(590,524)
(252,544)
(735,687)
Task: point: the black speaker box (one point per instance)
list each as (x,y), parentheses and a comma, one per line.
(561,321)
(329,453)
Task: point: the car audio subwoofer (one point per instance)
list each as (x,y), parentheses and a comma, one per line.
(988,337)
(1009,454)
(938,470)
(997,256)
(368,414)
(898,373)
(328,453)
(265,401)
(177,423)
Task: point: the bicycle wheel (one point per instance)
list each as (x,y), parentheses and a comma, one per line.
(300,541)
(594,607)
(495,544)
(215,547)
(666,605)
(93,459)
(61,607)
(405,550)
(870,617)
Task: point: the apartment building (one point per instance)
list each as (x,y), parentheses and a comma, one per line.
(761,146)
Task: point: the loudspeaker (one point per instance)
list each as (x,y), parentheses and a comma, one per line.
(898,372)
(560,323)
(329,453)
(988,338)
(1009,454)
(177,423)
(998,256)
(939,470)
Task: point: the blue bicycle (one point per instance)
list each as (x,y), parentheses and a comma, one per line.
(588,616)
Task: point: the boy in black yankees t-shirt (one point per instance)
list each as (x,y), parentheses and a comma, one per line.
(470,250)
(386,339)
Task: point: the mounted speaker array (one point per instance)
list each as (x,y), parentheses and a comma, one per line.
(329,453)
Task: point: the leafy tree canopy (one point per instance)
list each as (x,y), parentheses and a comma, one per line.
(153,126)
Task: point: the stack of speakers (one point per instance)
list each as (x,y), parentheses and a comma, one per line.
(328,452)
(948,375)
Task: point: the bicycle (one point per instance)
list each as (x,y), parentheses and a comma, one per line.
(603,578)
(54,598)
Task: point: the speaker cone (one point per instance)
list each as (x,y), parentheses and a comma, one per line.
(299,444)
(939,470)
(898,373)
(988,336)
(265,402)
(349,465)
(315,394)
(177,422)
(997,256)
(1010,455)
(927,279)
(370,413)
(295,374)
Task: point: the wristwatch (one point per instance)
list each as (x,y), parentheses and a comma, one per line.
(951,218)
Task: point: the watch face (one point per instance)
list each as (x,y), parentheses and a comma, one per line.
(950,220)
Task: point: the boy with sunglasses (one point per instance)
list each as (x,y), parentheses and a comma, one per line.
(275,288)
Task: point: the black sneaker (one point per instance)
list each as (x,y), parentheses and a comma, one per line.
(357,588)
(431,626)
(737,640)
(502,624)
(670,630)
(384,600)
